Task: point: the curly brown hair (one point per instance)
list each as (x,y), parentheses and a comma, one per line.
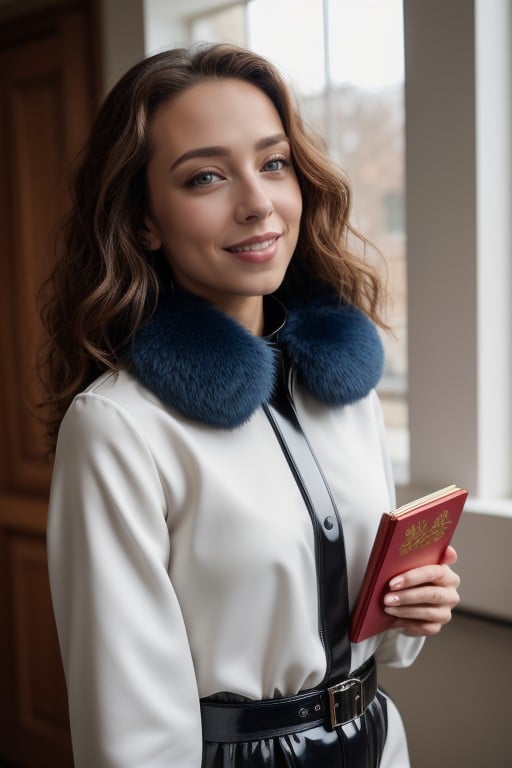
(104,285)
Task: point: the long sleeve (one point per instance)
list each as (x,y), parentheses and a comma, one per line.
(133,696)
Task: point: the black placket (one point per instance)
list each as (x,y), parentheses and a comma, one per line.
(331,566)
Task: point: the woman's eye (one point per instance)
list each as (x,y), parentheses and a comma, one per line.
(275,164)
(202,179)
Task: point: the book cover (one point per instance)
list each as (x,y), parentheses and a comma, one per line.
(415,534)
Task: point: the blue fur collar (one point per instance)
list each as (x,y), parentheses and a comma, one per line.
(211,369)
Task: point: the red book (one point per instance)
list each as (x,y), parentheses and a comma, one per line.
(414,535)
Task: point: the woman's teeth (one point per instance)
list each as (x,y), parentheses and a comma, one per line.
(253,247)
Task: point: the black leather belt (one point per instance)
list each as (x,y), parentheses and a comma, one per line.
(253,720)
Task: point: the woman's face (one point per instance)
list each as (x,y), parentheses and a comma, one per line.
(224,201)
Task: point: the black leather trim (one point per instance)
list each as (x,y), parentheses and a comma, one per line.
(332,583)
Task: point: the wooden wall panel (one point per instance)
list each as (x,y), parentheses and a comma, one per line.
(45,125)
(33,704)
(47,81)
(35,140)
(42,695)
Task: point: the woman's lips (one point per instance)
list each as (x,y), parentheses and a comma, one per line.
(256,250)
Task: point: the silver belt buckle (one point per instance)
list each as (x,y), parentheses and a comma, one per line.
(335,706)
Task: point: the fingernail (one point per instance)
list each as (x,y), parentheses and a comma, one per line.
(391,599)
(396,583)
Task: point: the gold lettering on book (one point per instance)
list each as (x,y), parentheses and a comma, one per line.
(419,534)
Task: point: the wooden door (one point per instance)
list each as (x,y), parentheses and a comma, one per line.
(46,101)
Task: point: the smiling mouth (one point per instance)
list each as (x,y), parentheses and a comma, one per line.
(260,246)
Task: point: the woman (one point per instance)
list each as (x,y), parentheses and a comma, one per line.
(213,351)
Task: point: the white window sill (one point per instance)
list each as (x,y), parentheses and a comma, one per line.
(482,541)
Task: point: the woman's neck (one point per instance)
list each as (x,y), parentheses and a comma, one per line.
(245,310)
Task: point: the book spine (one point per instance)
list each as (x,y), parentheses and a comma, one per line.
(380,546)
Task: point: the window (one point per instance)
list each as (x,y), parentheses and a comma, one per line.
(344,61)
(459,244)
(394,219)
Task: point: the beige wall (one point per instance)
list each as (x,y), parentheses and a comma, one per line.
(122,33)
(455,700)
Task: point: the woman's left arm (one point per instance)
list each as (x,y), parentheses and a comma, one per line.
(422,599)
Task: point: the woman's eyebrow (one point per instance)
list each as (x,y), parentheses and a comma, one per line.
(219,151)
(269,141)
(200,152)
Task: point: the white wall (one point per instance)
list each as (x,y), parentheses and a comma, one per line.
(164,21)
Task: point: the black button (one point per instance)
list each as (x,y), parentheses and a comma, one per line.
(329,523)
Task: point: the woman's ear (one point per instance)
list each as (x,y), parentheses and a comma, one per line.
(148,235)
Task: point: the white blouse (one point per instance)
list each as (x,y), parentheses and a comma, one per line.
(182,563)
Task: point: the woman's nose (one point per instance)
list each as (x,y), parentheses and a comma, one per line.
(253,202)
